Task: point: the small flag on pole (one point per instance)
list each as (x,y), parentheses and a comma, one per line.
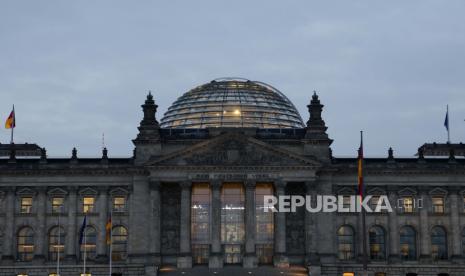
(82,230)
(446,124)
(11,122)
(108,227)
(360,167)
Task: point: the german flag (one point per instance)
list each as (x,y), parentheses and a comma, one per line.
(11,122)
(108,227)
(361,187)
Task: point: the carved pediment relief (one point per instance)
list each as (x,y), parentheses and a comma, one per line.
(438,192)
(346,191)
(233,150)
(376,191)
(88,191)
(57,191)
(118,192)
(407,192)
(26,192)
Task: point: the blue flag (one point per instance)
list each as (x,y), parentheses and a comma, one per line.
(446,121)
(81,231)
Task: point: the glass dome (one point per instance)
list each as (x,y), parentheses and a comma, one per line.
(232,102)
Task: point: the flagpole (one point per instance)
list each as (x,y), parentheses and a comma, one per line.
(362,194)
(59,243)
(13,125)
(85,249)
(111,239)
(448,126)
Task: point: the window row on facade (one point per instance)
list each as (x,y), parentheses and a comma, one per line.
(58,204)
(26,243)
(408,243)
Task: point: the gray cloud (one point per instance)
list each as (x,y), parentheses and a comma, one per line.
(77,69)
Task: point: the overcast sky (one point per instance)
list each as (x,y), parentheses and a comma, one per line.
(77,69)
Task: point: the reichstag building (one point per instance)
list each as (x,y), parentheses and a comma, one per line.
(192,196)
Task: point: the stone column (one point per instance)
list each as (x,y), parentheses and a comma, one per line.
(102,221)
(280,259)
(393,228)
(41,233)
(455,226)
(71,233)
(425,238)
(185,258)
(250,258)
(310,229)
(9,232)
(155,225)
(216,256)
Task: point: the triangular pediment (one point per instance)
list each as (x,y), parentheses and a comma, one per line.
(232,149)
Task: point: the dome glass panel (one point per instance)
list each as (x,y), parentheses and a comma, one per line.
(232,103)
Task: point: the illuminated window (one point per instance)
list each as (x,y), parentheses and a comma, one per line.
(407,204)
(25,246)
(89,243)
(438,205)
(438,243)
(232,221)
(119,243)
(345,241)
(264,235)
(22,275)
(119,204)
(408,250)
(88,204)
(380,274)
(200,223)
(348,274)
(57,204)
(377,243)
(26,205)
(56,243)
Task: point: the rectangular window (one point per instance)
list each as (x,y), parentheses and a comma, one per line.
(200,223)
(88,204)
(374,202)
(407,204)
(26,205)
(438,205)
(264,231)
(348,274)
(119,204)
(346,201)
(57,205)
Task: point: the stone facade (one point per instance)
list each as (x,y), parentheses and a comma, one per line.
(156,186)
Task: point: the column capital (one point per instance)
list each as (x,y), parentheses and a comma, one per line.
(250,184)
(187,184)
(216,184)
(280,184)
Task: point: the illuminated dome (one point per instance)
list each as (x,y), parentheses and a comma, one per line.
(232,103)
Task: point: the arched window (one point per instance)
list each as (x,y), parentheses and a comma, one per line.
(25,245)
(377,243)
(438,243)
(56,241)
(408,244)
(345,241)
(89,244)
(119,245)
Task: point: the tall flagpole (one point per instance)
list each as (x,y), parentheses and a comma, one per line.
(448,126)
(59,243)
(13,125)
(85,249)
(361,195)
(111,239)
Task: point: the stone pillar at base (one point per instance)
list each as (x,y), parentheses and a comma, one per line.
(249,261)
(184,262)
(314,270)
(281,261)
(215,261)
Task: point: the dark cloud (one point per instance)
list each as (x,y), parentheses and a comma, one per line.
(77,69)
